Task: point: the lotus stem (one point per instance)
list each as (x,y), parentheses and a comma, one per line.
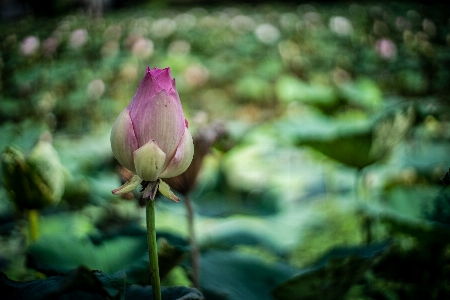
(153,249)
(33,228)
(195,255)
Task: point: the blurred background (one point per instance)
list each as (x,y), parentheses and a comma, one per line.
(322,129)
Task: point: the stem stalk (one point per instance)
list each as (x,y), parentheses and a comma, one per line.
(153,249)
(33,219)
(195,254)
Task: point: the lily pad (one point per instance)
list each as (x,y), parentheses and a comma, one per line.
(332,277)
(57,254)
(231,275)
(80,283)
(289,88)
(254,88)
(362,93)
(356,142)
(85,284)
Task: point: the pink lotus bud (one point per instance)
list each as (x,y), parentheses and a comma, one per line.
(151,137)
(386,48)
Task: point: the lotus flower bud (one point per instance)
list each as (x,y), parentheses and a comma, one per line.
(33,180)
(151,137)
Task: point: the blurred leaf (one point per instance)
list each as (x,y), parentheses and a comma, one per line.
(446,178)
(85,284)
(13,109)
(123,249)
(270,68)
(177,277)
(167,293)
(441,212)
(362,93)
(80,283)
(171,252)
(407,271)
(33,180)
(353,141)
(265,164)
(289,88)
(61,253)
(337,225)
(217,196)
(254,88)
(103,183)
(230,275)
(426,156)
(86,153)
(423,230)
(347,141)
(332,277)
(76,191)
(350,149)
(168,256)
(412,82)
(416,201)
(235,234)
(24,134)
(66,223)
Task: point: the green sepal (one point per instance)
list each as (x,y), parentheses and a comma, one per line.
(128,186)
(164,188)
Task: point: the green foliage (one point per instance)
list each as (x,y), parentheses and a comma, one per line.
(82,283)
(357,142)
(229,275)
(57,252)
(33,180)
(363,93)
(78,283)
(290,88)
(339,226)
(332,278)
(330,184)
(61,253)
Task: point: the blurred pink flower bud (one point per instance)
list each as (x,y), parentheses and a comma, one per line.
(29,45)
(386,48)
(151,137)
(78,38)
(49,46)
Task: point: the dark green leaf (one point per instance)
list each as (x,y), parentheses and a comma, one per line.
(290,88)
(230,275)
(167,293)
(425,231)
(446,178)
(335,273)
(362,93)
(78,284)
(354,141)
(237,235)
(61,253)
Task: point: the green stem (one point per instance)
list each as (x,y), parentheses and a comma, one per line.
(152,249)
(195,254)
(33,219)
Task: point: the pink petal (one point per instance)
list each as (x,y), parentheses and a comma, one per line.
(148,87)
(162,76)
(159,118)
(123,140)
(183,157)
